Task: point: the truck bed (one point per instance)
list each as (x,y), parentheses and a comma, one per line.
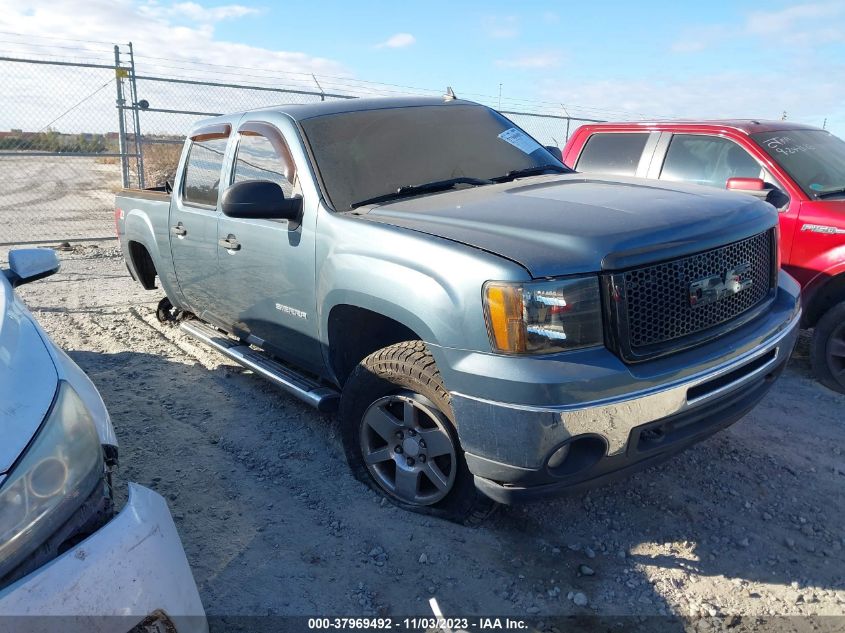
(151,193)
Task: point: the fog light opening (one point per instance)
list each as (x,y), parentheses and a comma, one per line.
(577,454)
(559,456)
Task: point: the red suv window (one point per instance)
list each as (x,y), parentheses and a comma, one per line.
(616,153)
(707,160)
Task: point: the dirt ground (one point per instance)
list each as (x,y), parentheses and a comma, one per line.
(751,522)
(65,197)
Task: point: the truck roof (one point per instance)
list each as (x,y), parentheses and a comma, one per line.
(302,111)
(745,126)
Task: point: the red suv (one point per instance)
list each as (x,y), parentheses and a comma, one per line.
(797,168)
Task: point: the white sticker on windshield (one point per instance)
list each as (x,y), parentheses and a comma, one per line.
(520,140)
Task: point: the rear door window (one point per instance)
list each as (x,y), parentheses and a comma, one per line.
(615,153)
(202,171)
(707,160)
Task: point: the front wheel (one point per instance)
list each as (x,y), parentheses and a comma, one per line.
(827,350)
(399,435)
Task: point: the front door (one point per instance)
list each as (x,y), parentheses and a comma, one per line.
(193,222)
(266,267)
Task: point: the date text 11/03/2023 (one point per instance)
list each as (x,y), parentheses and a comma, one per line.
(419,624)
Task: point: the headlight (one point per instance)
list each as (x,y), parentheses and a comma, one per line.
(56,474)
(542,317)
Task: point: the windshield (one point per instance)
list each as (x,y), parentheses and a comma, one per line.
(371,153)
(814,158)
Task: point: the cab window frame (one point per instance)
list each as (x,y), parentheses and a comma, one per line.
(265,130)
(209,133)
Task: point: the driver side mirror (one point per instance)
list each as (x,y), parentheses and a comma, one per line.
(31,264)
(759,189)
(754,186)
(261,199)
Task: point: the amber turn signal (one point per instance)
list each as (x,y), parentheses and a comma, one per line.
(505,321)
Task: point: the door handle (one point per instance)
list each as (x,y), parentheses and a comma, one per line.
(230,243)
(179,230)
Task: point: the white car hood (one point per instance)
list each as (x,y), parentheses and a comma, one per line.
(28,378)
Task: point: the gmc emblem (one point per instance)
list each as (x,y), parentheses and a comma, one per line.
(711,289)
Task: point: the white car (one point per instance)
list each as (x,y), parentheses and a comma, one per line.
(63,549)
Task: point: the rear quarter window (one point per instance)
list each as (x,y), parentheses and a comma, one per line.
(616,153)
(202,171)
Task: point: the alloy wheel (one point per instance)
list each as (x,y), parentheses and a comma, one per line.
(836,353)
(407,448)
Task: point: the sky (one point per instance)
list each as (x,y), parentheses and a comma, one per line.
(609,60)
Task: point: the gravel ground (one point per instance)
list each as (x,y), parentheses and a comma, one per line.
(65,197)
(749,523)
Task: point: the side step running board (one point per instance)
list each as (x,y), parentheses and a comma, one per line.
(319,396)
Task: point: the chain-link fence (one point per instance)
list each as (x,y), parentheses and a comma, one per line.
(72,133)
(59,158)
(171,105)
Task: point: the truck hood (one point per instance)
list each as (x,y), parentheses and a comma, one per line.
(559,225)
(28,378)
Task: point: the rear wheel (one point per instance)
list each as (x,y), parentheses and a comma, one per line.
(827,351)
(165,311)
(400,439)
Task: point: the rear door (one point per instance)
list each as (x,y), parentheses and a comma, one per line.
(193,220)
(266,267)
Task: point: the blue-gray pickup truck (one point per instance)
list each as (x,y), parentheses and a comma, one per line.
(491,325)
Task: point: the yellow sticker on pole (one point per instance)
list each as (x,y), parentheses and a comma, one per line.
(121,73)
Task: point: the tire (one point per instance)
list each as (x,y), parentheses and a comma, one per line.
(827,350)
(393,402)
(165,311)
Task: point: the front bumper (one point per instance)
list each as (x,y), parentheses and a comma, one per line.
(509,444)
(132,568)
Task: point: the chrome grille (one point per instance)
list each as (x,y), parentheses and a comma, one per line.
(655,309)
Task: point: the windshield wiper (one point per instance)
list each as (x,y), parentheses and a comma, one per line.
(832,192)
(406,191)
(531,171)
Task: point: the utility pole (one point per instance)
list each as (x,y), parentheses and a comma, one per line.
(824,125)
(500,96)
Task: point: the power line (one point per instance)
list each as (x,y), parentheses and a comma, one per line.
(75,106)
(275,73)
(32,55)
(73,48)
(49,37)
(361,85)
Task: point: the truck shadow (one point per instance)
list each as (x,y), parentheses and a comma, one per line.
(748,522)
